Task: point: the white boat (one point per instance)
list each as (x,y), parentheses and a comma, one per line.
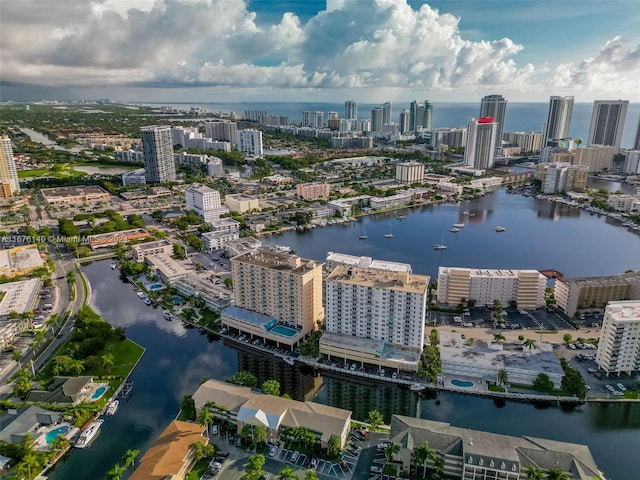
(439,246)
(388,235)
(416,387)
(454,229)
(141,294)
(500,229)
(401,217)
(363,237)
(167,314)
(466,212)
(114,266)
(113,408)
(458,225)
(89,434)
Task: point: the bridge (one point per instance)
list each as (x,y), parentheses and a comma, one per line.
(551,273)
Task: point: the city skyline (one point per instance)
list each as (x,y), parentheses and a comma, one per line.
(378,51)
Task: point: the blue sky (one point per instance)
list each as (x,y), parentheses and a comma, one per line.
(375,50)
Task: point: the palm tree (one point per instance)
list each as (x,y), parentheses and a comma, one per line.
(422,455)
(17,356)
(205,418)
(533,473)
(116,472)
(311,475)
(288,473)
(259,434)
(107,361)
(374,419)
(556,474)
(438,465)
(129,458)
(255,463)
(502,378)
(529,343)
(391,450)
(498,337)
(77,367)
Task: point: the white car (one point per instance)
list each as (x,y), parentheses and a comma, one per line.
(214,429)
(294,456)
(621,387)
(375,469)
(383,445)
(617,394)
(272,451)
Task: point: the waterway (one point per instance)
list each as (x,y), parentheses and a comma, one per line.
(539,235)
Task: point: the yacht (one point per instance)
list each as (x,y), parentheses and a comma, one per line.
(167,314)
(89,434)
(458,225)
(363,236)
(388,235)
(141,294)
(113,408)
(416,387)
(500,229)
(439,246)
(401,217)
(454,229)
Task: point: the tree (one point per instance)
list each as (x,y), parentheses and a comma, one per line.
(333,445)
(228,282)
(310,475)
(129,458)
(271,387)
(188,407)
(438,465)
(374,419)
(254,463)
(116,472)
(259,434)
(199,451)
(17,355)
(288,473)
(502,378)
(533,473)
(29,464)
(529,343)
(421,455)
(205,418)
(107,361)
(498,337)
(567,338)
(543,383)
(556,474)
(244,378)
(391,450)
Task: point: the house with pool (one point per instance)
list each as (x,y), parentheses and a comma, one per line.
(70,390)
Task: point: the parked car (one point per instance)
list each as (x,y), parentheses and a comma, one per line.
(375,469)
(214,429)
(272,451)
(383,445)
(294,456)
(621,387)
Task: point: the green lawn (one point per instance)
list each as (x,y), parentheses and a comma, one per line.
(198,469)
(126,355)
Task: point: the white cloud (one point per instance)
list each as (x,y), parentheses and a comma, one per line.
(377,44)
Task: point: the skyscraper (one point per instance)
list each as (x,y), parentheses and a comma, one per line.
(636,144)
(157,146)
(495,106)
(250,142)
(386,113)
(481,139)
(607,122)
(351,110)
(404,121)
(420,116)
(376,119)
(558,119)
(318,119)
(307,119)
(9,185)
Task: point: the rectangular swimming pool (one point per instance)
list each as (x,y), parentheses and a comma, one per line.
(284,331)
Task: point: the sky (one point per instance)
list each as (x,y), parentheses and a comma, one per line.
(328,50)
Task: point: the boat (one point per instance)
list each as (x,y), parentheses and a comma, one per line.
(363,235)
(401,217)
(388,234)
(416,387)
(466,212)
(167,314)
(113,408)
(89,434)
(441,245)
(458,225)
(500,229)
(127,390)
(113,266)
(141,294)
(454,229)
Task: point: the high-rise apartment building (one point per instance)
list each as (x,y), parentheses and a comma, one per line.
(632,162)
(312,191)
(9,185)
(376,119)
(205,201)
(410,172)
(597,157)
(526,287)
(480,149)
(495,106)
(250,142)
(404,121)
(351,110)
(386,113)
(528,142)
(558,119)
(157,146)
(636,144)
(453,137)
(318,119)
(307,119)
(619,345)
(420,116)
(377,304)
(607,122)
(223,130)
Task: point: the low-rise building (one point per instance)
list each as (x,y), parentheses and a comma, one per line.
(624,203)
(142,250)
(223,230)
(215,297)
(66,390)
(277,414)
(241,202)
(167,269)
(16,424)
(241,246)
(104,240)
(20,260)
(134,177)
(619,345)
(19,297)
(172,456)
(74,195)
(473,454)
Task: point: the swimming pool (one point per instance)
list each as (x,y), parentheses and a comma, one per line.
(51,435)
(156,286)
(98,393)
(461,383)
(284,331)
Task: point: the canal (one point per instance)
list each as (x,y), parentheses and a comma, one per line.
(539,235)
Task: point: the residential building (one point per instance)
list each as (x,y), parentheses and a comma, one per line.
(241,202)
(289,305)
(216,297)
(377,304)
(480,149)
(223,230)
(157,146)
(452,137)
(165,267)
(335,259)
(180,135)
(143,250)
(20,260)
(473,454)
(597,157)
(607,122)
(250,142)
(593,293)
(172,456)
(17,423)
(205,201)
(351,110)
(215,167)
(312,191)
(278,415)
(404,121)
(624,203)
(63,390)
(19,297)
(222,130)
(129,156)
(632,162)
(528,142)
(376,119)
(387,112)
(420,116)
(495,106)
(410,172)
(352,142)
(318,119)
(74,195)
(562,177)
(619,345)
(558,119)
(525,287)
(134,177)
(105,240)
(636,143)
(8,171)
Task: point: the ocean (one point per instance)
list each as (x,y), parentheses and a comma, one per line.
(524,117)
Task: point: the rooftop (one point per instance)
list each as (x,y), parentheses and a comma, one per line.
(602,281)
(18,296)
(73,191)
(22,257)
(167,266)
(485,272)
(276,259)
(374,278)
(249,316)
(624,310)
(141,247)
(372,346)
(368,262)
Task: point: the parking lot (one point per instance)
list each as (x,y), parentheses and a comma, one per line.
(539,319)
